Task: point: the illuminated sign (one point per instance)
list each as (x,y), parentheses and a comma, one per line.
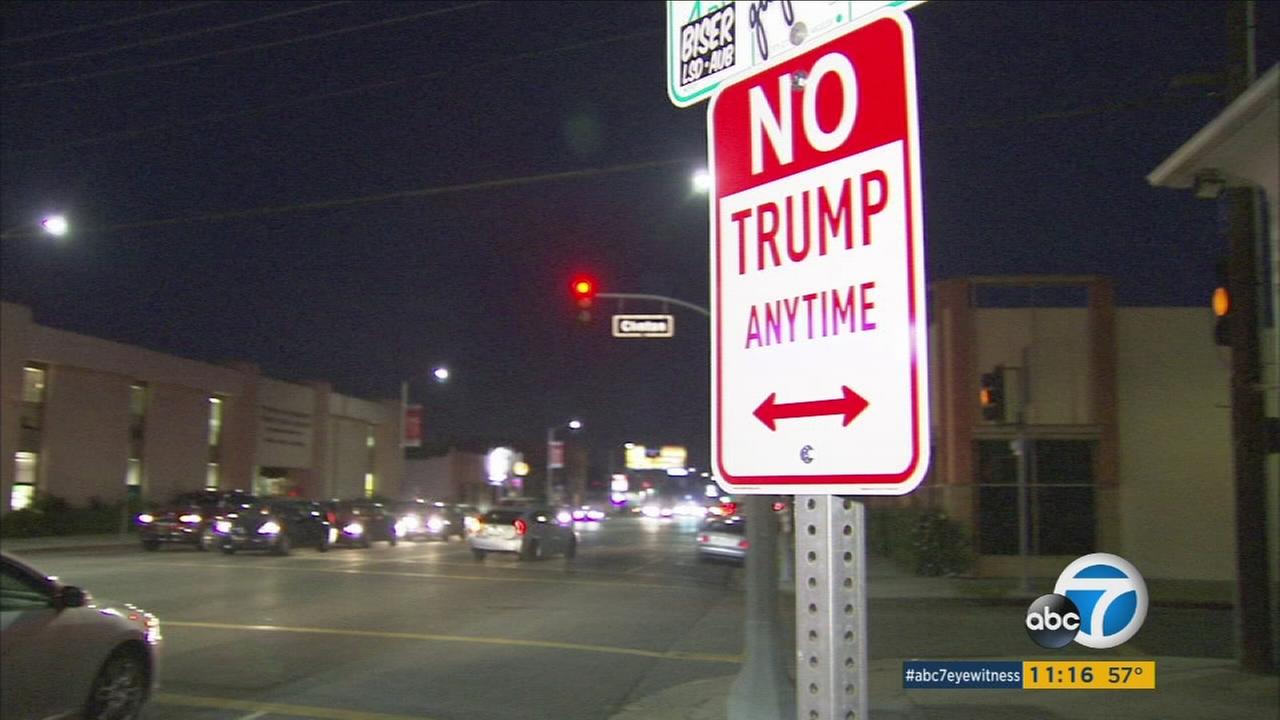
(644,326)
(666,457)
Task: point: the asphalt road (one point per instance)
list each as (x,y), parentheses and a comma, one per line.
(421,630)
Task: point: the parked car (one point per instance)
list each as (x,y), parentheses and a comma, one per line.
(277,525)
(360,523)
(64,653)
(187,519)
(723,538)
(530,532)
(421,520)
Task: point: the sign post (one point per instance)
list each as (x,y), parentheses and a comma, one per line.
(819,335)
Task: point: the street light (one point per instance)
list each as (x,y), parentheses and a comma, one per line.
(55,224)
(573,424)
(440,374)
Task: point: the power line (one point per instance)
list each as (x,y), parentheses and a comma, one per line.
(219,117)
(379,198)
(240,50)
(108,23)
(179,36)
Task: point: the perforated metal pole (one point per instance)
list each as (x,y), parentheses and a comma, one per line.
(831,609)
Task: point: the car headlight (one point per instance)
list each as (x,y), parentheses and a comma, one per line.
(145,518)
(354,528)
(564,517)
(435,524)
(411,522)
(222,526)
(270,527)
(595,515)
(189,518)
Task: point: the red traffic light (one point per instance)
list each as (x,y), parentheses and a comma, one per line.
(583,291)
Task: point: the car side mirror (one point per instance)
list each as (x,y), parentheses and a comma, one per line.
(70,596)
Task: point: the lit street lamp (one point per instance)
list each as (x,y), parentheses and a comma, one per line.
(55,225)
(574,424)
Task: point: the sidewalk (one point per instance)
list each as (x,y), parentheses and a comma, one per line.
(1187,687)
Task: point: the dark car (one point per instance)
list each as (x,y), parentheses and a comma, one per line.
(421,520)
(360,523)
(276,525)
(187,519)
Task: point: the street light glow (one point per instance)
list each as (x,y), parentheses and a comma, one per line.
(701,181)
(575,424)
(55,225)
(441,374)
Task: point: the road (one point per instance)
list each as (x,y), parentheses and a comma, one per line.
(421,630)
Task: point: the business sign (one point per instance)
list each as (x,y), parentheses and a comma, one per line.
(667,457)
(644,326)
(710,41)
(819,352)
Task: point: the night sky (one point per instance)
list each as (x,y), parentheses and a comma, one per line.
(359,191)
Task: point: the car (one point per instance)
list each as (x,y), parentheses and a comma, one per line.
(187,519)
(723,538)
(275,524)
(65,653)
(421,520)
(362,522)
(529,532)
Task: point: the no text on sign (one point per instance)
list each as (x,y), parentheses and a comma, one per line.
(644,326)
(819,354)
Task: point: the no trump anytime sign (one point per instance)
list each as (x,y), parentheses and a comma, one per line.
(819,348)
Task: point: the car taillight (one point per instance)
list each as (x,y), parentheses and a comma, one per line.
(744,544)
(521,527)
(704,538)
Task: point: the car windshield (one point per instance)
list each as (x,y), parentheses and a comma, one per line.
(733,526)
(502,516)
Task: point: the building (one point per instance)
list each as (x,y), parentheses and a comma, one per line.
(1114,418)
(91,420)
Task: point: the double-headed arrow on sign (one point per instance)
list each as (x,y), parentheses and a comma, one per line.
(850,405)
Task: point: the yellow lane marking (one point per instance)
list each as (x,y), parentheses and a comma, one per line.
(489,578)
(307,711)
(478,640)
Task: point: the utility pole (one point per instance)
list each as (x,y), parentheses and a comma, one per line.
(1248,413)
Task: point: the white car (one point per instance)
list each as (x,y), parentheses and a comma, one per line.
(723,539)
(530,533)
(65,654)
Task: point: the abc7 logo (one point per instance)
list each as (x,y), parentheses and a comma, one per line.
(1100,601)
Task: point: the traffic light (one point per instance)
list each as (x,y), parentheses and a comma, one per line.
(584,292)
(991,395)
(1221,304)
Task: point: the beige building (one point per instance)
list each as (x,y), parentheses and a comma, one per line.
(88,419)
(1121,412)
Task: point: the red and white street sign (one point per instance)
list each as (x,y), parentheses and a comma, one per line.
(819,354)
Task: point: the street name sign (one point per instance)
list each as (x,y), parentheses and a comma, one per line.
(819,335)
(644,326)
(710,41)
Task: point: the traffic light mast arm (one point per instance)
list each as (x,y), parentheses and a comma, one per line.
(660,298)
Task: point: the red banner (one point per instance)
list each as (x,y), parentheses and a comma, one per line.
(412,426)
(555,454)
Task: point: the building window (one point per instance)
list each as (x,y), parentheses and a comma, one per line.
(369,484)
(24,480)
(1061,517)
(215,422)
(212,474)
(33,379)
